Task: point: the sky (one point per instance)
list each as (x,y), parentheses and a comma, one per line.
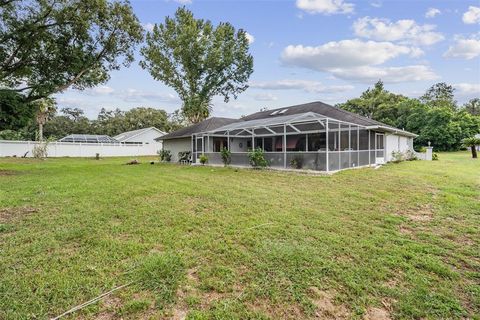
(315,50)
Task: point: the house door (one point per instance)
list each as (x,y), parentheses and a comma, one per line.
(379,148)
(198,148)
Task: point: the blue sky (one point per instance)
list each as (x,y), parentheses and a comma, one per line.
(307,50)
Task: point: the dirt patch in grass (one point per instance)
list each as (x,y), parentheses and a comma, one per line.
(110,305)
(326,306)
(273,311)
(8,172)
(422,214)
(374,313)
(8,214)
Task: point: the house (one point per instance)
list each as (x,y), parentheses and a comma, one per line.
(181,140)
(315,135)
(88,138)
(140,136)
(478,137)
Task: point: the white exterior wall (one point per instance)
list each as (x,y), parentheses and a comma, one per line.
(147,137)
(177,145)
(75,149)
(395,142)
(235,144)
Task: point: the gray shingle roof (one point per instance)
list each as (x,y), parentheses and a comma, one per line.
(206,125)
(316,107)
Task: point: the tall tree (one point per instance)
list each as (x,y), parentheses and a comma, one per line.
(69,121)
(15,113)
(473,107)
(45,110)
(375,103)
(116,121)
(139,118)
(198,60)
(440,95)
(47,46)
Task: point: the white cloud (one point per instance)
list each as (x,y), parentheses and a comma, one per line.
(265,97)
(464,48)
(472,15)
(134,95)
(103,90)
(325,6)
(432,12)
(344,54)
(183,1)
(148,26)
(250,38)
(376,4)
(405,31)
(358,61)
(100,90)
(369,74)
(468,88)
(305,85)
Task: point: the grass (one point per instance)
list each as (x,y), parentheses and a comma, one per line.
(221,243)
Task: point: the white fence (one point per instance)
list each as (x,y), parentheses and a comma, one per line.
(76,149)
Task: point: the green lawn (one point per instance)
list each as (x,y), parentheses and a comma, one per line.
(402,241)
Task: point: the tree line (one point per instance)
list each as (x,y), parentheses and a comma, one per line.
(435,116)
(108,122)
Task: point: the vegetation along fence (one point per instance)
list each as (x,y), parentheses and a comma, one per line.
(74,149)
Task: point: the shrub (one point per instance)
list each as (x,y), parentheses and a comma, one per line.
(435,156)
(257,158)
(40,150)
(410,155)
(397,156)
(203,159)
(226,156)
(297,162)
(165,155)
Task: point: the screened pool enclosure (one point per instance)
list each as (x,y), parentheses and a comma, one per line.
(308,141)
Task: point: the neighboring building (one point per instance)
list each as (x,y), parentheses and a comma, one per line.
(181,140)
(88,138)
(140,136)
(319,136)
(478,137)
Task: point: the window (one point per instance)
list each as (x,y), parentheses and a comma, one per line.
(278,144)
(317,142)
(199,144)
(268,144)
(259,143)
(363,135)
(296,142)
(249,144)
(354,138)
(219,144)
(344,138)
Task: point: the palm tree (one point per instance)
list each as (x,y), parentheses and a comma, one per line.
(45,110)
(471,143)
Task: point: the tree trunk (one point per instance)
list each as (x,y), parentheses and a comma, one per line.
(40,132)
(474,151)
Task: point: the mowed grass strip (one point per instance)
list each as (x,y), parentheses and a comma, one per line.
(402,241)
